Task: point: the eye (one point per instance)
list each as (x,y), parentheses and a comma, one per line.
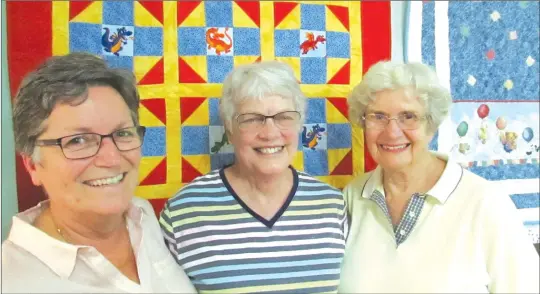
(409,116)
(379,116)
(78,141)
(251,119)
(285,116)
(124,133)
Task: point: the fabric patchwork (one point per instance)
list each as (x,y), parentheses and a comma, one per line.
(85,37)
(313,17)
(286,43)
(196,139)
(213,106)
(118,13)
(247,41)
(218,13)
(311,70)
(218,68)
(196,44)
(220,160)
(125,62)
(316,162)
(149,41)
(338,45)
(339,136)
(315,111)
(154,142)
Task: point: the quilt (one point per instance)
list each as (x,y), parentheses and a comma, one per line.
(486,53)
(180,53)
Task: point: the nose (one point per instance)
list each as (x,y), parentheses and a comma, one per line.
(108,155)
(392,129)
(269,130)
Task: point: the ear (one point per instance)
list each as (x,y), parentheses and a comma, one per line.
(30,166)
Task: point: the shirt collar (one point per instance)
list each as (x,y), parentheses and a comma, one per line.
(442,189)
(61,257)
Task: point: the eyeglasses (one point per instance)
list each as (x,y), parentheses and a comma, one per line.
(86,145)
(405,120)
(254,121)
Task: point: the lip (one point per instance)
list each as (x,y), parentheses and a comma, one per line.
(393,148)
(107,185)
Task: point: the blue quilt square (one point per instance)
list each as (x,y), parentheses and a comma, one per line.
(213,107)
(218,13)
(247,42)
(218,68)
(85,37)
(118,12)
(314,136)
(315,111)
(125,62)
(338,45)
(220,160)
(316,162)
(313,17)
(339,136)
(286,43)
(195,140)
(148,41)
(154,142)
(313,70)
(191,41)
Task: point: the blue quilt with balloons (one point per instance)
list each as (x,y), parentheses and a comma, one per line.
(487,53)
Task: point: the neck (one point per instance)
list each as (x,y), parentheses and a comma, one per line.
(263,186)
(416,177)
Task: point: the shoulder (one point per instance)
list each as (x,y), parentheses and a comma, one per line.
(307,182)
(356,186)
(210,182)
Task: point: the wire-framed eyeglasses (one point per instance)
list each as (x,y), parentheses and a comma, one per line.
(85,145)
(406,120)
(254,121)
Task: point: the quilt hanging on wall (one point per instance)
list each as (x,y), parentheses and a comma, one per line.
(487,52)
(180,53)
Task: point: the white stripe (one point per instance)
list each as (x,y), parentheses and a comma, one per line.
(529,214)
(260,245)
(414,42)
(202,183)
(261,255)
(255,235)
(521,186)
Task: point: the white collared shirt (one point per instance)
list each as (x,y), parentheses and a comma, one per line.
(462,236)
(33,261)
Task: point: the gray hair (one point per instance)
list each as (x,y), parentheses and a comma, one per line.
(257,81)
(64,79)
(390,75)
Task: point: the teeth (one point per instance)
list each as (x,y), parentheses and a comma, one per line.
(394,147)
(270,150)
(107,181)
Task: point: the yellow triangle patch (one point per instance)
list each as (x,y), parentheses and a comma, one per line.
(143,64)
(333,24)
(333,66)
(200,162)
(92,14)
(241,19)
(291,21)
(335,156)
(148,119)
(196,17)
(298,161)
(198,64)
(199,117)
(148,164)
(143,18)
(294,63)
(240,60)
(333,115)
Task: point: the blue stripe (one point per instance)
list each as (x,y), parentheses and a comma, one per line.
(507,171)
(202,199)
(270,276)
(428,33)
(530,200)
(318,193)
(265,265)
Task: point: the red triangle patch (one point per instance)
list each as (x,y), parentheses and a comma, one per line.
(258,59)
(156,176)
(341,13)
(155,8)
(155,75)
(186,74)
(345,167)
(252,9)
(188,106)
(189,173)
(369,162)
(76,7)
(158,204)
(184,9)
(341,104)
(343,76)
(281,10)
(157,107)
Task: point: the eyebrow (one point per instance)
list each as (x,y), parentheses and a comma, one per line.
(121,125)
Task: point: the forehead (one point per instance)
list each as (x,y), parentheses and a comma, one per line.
(395,101)
(266,105)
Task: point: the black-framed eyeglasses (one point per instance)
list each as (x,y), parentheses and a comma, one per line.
(406,120)
(254,121)
(85,145)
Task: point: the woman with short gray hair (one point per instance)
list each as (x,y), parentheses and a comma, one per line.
(420,223)
(259,225)
(77,130)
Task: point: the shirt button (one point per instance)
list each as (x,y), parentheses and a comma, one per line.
(402,232)
(412,214)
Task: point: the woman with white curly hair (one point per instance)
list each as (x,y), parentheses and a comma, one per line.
(420,222)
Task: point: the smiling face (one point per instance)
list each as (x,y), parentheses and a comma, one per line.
(268,150)
(391,147)
(103,184)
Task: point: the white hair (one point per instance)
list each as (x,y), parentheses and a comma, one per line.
(258,81)
(391,75)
